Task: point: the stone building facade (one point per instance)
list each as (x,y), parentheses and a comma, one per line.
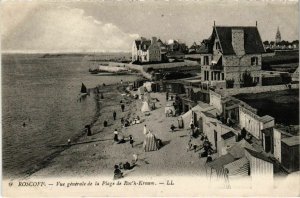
(144,50)
(230,53)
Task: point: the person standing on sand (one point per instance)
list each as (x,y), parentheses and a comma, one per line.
(122,107)
(116,139)
(131,140)
(172,128)
(88,128)
(145,130)
(114,115)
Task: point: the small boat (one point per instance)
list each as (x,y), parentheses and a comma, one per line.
(83,89)
(94,71)
(83,92)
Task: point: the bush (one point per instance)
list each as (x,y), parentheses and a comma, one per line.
(229,83)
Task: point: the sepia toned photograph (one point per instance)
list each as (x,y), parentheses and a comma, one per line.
(150,98)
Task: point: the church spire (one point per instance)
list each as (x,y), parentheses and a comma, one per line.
(278,36)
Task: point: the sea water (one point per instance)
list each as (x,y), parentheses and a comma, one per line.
(40,106)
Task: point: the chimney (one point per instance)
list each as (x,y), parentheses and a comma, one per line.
(238,41)
(154,40)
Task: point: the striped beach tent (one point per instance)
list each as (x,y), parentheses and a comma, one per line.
(150,143)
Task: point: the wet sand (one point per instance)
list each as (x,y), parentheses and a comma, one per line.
(98,154)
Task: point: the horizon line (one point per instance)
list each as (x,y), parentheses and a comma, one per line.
(58,52)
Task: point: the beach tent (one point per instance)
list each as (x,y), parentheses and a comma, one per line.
(187,118)
(141,92)
(150,143)
(148,86)
(145,107)
(169,107)
(147,97)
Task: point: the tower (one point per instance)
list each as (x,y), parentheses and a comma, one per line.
(278,36)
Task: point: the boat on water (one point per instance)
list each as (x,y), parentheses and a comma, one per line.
(83,91)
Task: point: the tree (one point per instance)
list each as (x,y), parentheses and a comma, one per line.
(247,79)
(229,83)
(266,43)
(272,43)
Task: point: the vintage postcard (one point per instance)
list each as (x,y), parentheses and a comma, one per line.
(150,98)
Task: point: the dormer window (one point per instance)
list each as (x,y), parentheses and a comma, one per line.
(254,60)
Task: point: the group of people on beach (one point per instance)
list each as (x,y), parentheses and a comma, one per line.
(206,146)
(118,174)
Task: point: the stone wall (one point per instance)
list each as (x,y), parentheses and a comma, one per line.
(186,63)
(257,89)
(154,52)
(245,60)
(238,41)
(215,100)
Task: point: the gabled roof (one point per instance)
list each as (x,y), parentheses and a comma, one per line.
(239,167)
(220,162)
(252,41)
(145,45)
(137,42)
(258,155)
(238,149)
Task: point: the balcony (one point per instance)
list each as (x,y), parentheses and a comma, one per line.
(216,67)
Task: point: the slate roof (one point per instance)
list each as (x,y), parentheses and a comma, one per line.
(137,43)
(252,40)
(143,43)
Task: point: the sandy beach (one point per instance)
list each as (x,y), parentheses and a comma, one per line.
(98,153)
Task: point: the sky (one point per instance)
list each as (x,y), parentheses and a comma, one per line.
(112,26)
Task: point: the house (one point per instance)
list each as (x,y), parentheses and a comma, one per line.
(144,50)
(230,53)
(290,147)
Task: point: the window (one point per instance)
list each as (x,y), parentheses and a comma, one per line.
(222,76)
(254,61)
(206,60)
(206,75)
